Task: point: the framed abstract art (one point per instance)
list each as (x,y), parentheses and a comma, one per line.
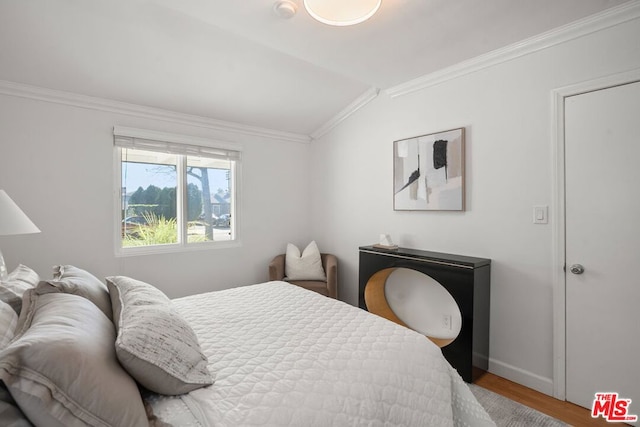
(428,172)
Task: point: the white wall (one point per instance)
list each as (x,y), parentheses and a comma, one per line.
(57,163)
(506,110)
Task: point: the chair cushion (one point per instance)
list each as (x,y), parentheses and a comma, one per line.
(305,266)
(312,285)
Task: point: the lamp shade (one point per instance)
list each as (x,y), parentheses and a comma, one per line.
(12,219)
(342,12)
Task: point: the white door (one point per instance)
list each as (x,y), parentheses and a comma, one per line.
(602,155)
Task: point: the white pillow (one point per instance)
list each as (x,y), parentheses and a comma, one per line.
(73,280)
(20,280)
(61,367)
(8,322)
(307,266)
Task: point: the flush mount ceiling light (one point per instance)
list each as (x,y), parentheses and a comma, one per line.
(342,12)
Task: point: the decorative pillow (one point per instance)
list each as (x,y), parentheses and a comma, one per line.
(307,266)
(20,279)
(155,344)
(62,370)
(8,322)
(10,414)
(73,280)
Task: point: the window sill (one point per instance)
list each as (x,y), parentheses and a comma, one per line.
(175,248)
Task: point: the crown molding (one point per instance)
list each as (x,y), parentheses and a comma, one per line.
(107,105)
(600,21)
(359,102)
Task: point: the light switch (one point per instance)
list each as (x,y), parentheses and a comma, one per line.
(540,214)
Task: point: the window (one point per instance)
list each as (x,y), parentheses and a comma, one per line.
(174,194)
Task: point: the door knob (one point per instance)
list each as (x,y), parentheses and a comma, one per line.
(576,269)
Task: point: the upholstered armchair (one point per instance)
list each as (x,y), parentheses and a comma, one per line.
(328,287)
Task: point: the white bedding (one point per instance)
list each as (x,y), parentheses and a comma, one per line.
(284,356)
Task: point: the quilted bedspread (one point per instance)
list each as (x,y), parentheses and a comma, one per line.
(284,356)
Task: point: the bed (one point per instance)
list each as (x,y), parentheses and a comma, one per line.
(267,354)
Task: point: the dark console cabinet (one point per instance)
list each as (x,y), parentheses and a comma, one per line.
(467,279)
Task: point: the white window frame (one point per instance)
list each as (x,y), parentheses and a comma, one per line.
(183,146)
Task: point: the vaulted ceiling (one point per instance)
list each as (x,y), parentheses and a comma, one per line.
(238,61)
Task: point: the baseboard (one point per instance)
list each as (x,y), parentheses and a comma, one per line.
(520,376)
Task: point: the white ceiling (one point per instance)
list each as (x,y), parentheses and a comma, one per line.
(237,61)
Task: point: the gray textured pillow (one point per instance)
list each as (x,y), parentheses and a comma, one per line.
(62,370)
(20,279)
(73,280)
(155,344)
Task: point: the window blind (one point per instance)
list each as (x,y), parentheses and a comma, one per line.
(169,143)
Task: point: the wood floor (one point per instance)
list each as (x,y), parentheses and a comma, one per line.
(568,412)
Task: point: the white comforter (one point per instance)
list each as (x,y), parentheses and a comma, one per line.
(284,356)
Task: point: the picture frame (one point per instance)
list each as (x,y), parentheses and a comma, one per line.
(429,172)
